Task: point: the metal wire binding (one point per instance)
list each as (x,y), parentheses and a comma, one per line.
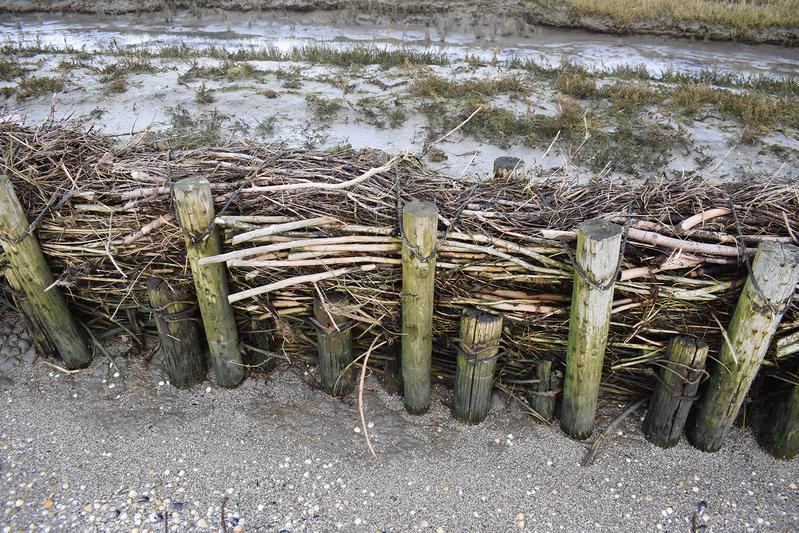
(440,242)
(471,355)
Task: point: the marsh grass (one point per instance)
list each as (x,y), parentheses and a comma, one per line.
(382,112)
(504,128)
(575,81)
(229,70)
(192,131)
(266,127)
(739,14)
(39,86)
(203,95)
(115,74)
(432,86)
(324,109)
(125,66)
(633,145)
(631,95)
(12,69)
(757,112)
(117,85)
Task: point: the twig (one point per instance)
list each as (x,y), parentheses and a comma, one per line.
(296,280)
(324,186)
(282,228)
(61,369)
(360,393)
(591,455)
(222,515)
(701,218)
(453,130)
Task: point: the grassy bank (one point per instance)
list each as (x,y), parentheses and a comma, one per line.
(739,14)
(759,21)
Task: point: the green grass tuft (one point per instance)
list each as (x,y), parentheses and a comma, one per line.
(39,86)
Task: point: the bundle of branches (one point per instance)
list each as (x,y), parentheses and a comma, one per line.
(297,224)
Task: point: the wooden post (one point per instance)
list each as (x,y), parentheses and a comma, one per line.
(509,167)
(179,331)
(781,437)
(47,305)
(195,208)
(334,345)
(675,391)
(545,395)
(35,327)
(474,378)
(596,263)
(258,358)
(419,223)
(768,289)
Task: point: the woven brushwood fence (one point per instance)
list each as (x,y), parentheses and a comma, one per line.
(103,213)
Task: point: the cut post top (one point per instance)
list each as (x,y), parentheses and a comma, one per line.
(774,258)
(600,229)
(419,208)
(192,184)
(689,342)
(508,163)
(481,317)
(326,311)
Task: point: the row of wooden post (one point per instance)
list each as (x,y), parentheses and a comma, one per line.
(767,292)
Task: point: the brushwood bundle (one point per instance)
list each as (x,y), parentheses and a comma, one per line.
(298,222)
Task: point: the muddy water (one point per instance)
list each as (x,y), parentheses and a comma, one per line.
(486,39)
(149,100)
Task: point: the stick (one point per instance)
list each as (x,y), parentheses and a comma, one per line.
(360,393)
(282,228)
(453,130)
(591,455)
(324,186)
(296,280)
(699,218)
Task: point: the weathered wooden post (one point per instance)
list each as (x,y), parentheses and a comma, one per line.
(595,269)
(179,332)
(419,224)
(766,293)
(545,395)
(509,167)
(781,437)
(334,344)
(35,327)
(675,391)
(477,359)
(195,208)
(47,305)
(258,358)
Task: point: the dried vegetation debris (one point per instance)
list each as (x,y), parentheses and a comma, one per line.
(504,253)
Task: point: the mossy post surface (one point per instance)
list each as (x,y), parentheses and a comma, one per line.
(545,396)
(675,391)
(769,287)
(781,437)
(35,327)
(195,208)
(45,304)
(259,359)
(334,342)
(419,224)
(598,245)
(179,332)
(474,377)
